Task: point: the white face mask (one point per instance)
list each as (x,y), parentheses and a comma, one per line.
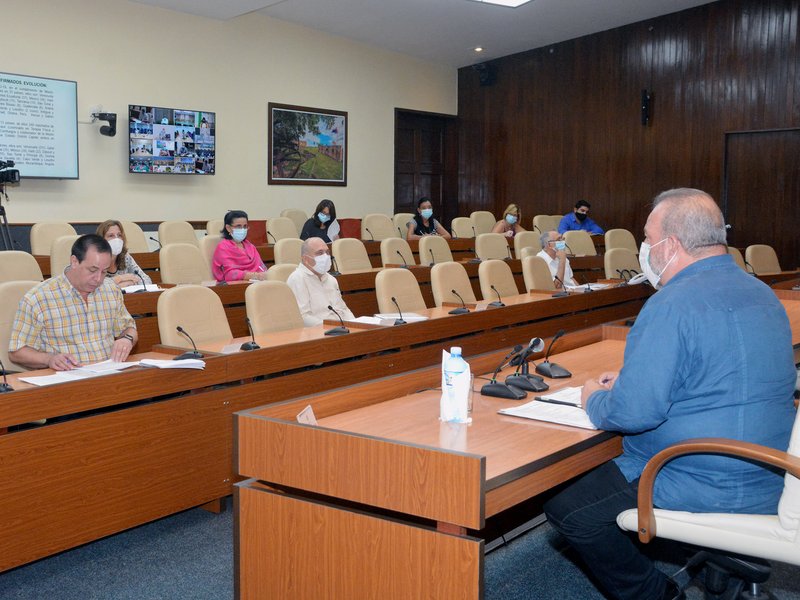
(116,245)
(644,262)
(322,263)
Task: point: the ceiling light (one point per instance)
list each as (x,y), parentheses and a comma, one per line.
(508,3)
(478,49)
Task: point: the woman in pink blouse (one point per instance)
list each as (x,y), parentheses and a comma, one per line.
(235,258)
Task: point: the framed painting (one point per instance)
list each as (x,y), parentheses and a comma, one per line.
(307,146)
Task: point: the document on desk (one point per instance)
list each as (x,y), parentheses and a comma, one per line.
(188,363)
(567,412)
(150,287)
(407,317)
(105,367)
(587,287)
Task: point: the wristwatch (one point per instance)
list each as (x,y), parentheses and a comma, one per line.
(128,337)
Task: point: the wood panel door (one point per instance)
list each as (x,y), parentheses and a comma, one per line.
(425,163)
(761,197)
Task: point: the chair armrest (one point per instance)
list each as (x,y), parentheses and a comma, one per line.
(727,447)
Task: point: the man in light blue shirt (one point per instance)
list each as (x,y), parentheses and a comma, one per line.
(579,220)
(710,355)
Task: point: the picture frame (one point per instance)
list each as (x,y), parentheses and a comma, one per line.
(306,146)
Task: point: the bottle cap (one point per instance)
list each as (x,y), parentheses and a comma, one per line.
(455,350)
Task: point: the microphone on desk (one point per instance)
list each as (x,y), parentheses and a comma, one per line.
(522,377)
(433,260)
(403,258)
(192,354)
(752,270)
(474,233)
(138,273)
(461,310)
(335,271)
(552,370)
(4,387)
(570,249)
(400,231)
(251,345)
(372,237)
(160,245)
(563,293)
(399,321)
(497,303)
(621,273)
(341,330)
(269,235)
(537,229)
(503,390)
(509,257)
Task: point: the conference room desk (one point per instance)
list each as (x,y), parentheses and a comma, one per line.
(791,302)
(380,499)
(787,284)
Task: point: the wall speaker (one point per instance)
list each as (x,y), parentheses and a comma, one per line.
(487,74)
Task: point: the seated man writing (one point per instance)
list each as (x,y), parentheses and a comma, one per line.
(314,288)
(74,318)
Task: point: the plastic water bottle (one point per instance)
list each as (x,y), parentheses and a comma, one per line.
(454,402)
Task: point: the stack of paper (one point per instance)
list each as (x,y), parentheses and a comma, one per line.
(587,287)
(407,317)
(188,363)
(568,413)
(95,370)
(150,287)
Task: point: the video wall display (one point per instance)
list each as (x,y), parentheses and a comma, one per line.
(171,140)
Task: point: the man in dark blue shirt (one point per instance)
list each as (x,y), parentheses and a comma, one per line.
(579,220)
(710,355)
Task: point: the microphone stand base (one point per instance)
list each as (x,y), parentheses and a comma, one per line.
(337,331)
(531,383)
(399,322)
(501,390)
(188,355)
(552,370)
(560,295)
(4,387)
(496,304)
(249,346)
(459,311)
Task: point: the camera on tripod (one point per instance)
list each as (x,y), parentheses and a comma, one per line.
(7,174)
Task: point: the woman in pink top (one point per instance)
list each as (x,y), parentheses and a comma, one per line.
(235,258)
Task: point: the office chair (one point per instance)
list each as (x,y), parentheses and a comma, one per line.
(195,308)
(16,265)
(403,286)
(434,249)
(490,246)
(536,274)
(389,252)
(272,306)
(183,263)
(43,234)
(451,276)
(496,273)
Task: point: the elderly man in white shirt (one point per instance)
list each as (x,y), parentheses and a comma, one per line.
(554,253)
(314,288)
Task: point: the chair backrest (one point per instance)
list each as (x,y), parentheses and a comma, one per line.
(738,258)
(450,276)
(60,253)
(536,274)
(176,232)
(528,251)
(527,239)
(380,227)
(16,265)
(272,306)
(183,263)
(279,228)
(214,226)
(496,273)
(389,252)
(789,504)
(350,255)
(621,238)
(135,239)
(542,223)
(287,251)
(43,234)
(207,246)
(400,222)
(762,259)
(195,308)
(297,216)
(462,227)
(483,221)
(11,292)
(280,272)
(580,243)
(434,249)
(620,259)
(490,246)
(403,286)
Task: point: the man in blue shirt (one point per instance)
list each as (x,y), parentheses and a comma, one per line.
(709,355)
(579,220)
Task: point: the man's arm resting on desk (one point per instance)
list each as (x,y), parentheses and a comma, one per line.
(124,344)
(34,359)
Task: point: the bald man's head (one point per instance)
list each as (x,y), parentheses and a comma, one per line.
(692,217)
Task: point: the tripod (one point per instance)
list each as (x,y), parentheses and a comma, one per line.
(5,233)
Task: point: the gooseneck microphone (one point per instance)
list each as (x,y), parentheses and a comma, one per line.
(497,303)
(4,387)
(508,250)
(251,345)
(335,271)
(752,270)
(461,310)
(570,249)
(156,240)
(341,330)
(400,231)
(269,235)
(522,377)
(372,237)
(563,293)
(537,229)
(399,321)
(433,260)
(193,353)
(138,273)
(621,273)
(503,390)
(552,370)
(403,258)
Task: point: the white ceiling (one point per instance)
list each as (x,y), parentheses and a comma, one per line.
(444,31)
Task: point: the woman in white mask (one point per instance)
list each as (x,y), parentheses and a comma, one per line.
(509,225)
(123,270)
(235,257)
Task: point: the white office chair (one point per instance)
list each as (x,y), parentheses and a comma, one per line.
(483,221)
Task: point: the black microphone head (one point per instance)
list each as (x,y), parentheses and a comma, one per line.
(394,299)
(517,348)
(179,329)
(454,292)
(330,307)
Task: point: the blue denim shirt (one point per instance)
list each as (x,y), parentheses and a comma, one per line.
(570,223)
(710,355)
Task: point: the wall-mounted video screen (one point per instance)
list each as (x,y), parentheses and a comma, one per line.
(39,125)
(171,140)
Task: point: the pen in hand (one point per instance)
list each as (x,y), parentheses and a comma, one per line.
(550,401)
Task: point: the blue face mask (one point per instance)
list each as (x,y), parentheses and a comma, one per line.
(426,213)
(323,218)
(511,219)
(238,235)
(561,245)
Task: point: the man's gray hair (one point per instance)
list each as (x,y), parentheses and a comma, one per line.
(544,238)
(305,247)
(693,218)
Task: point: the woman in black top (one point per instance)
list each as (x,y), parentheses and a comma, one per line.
(323,224)
(423,222)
